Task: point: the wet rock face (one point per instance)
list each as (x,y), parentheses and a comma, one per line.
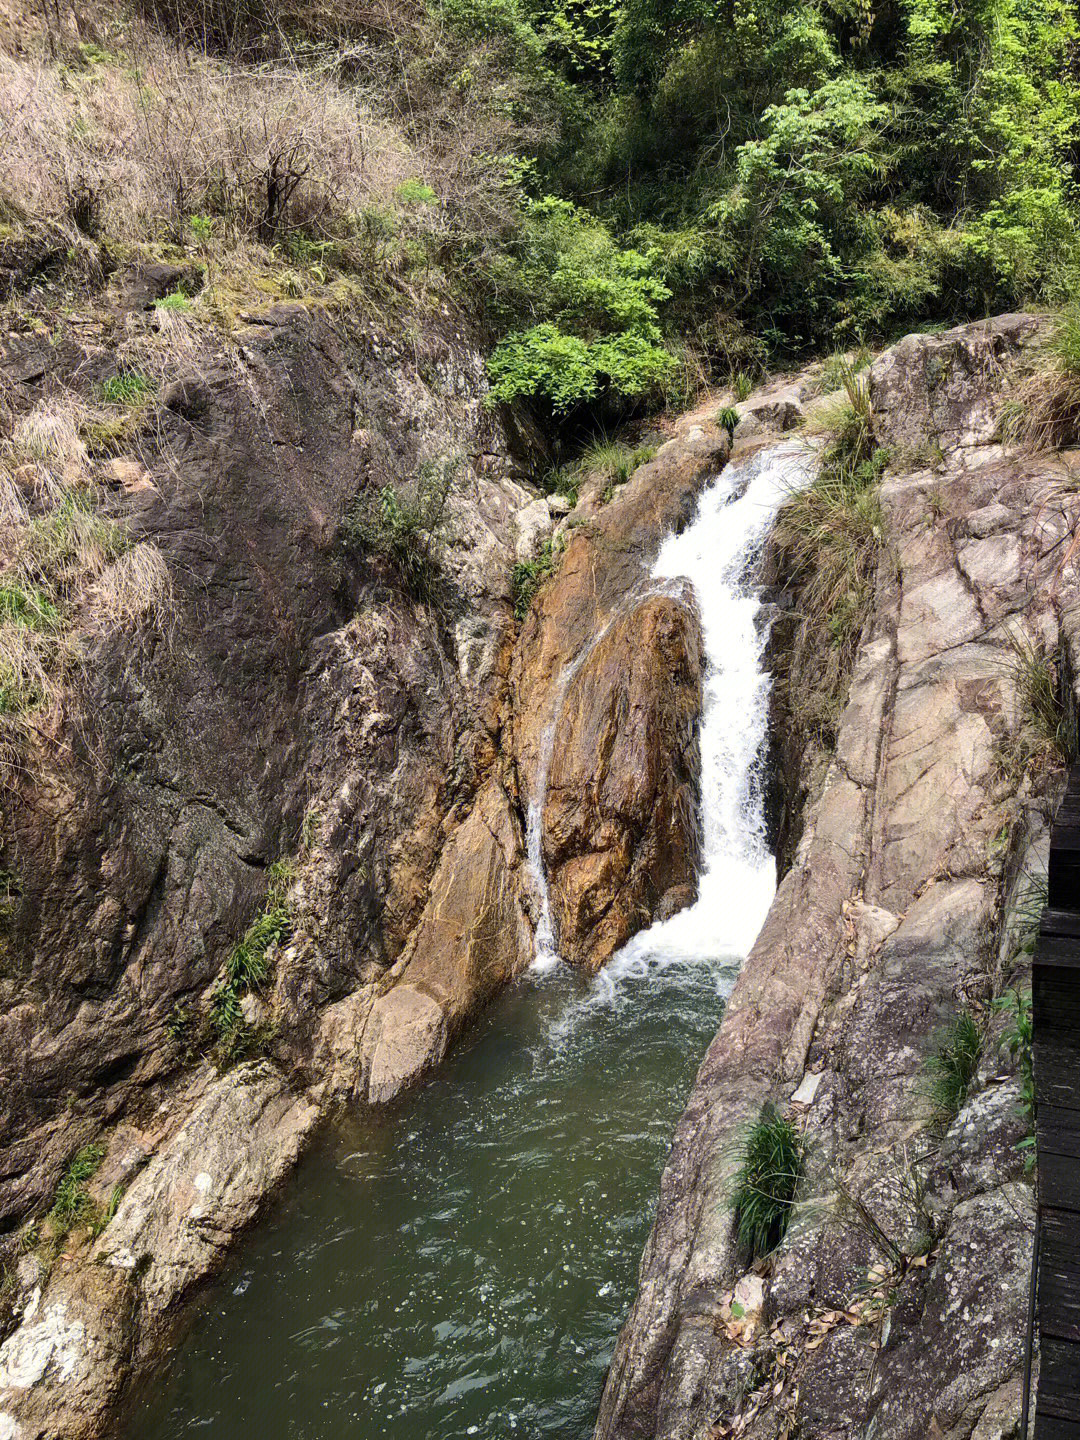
(294,684)
(621,828)
(886,924)
(612,744)
(63,1370)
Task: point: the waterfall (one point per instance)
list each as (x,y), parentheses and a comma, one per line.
(716,553)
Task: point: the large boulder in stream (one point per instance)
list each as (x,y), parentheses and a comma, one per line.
(621,829)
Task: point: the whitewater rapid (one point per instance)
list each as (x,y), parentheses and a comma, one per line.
(717,553)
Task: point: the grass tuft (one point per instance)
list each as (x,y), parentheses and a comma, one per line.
(72,1204)
(770,1168)
(1045,739)
(130,388)
(952,1070)
(829,537)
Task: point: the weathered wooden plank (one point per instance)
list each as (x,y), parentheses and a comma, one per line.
(1059,1382)
(1059,1275)
(1059,1183)
(1055,1427)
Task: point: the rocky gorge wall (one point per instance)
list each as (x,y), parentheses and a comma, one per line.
(295,703)
(896,1305)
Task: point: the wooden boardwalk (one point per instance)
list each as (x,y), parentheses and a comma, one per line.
(1056,1014)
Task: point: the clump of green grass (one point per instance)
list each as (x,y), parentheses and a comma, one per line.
(528,575)
(742,384)
(1018,1038)
(727,419)
(1044,413)
(130,387)
(72,1204)
(1045,739)
(829,538)
(839,367)
(407,528)
(953,1068)
(564,480)
(770,1167)
(248,968)
(613,462)
(27,606)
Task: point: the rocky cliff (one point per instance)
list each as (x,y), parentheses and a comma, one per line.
(263,836)
(895,1305)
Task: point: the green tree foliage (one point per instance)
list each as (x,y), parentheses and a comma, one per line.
(595,304)
(739,172)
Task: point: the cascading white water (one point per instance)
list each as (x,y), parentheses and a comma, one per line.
(716,554)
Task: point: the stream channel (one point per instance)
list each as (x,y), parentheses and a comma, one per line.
(460,1262)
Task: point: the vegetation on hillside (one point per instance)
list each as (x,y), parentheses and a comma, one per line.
(630,197)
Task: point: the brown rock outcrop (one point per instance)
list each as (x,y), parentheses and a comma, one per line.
(621,827)
(621,815)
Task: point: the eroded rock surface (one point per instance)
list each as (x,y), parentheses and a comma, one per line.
(886,923)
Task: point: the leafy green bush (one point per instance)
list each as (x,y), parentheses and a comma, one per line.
(770,1167)
(597,330)
(954,1067)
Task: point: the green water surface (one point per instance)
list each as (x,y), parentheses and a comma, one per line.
(459,1264)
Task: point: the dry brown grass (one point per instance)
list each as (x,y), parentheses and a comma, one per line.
(68,569)
(135,149)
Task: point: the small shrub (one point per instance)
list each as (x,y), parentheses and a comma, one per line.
(407,530)
(727,419)
(1045,740)
(128,388)
(72,1204)
(953,1068)
(202,227)
(770,1168)
(175,300)
(415,192)
(529,575)
(1018,1038)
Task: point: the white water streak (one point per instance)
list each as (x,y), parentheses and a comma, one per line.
(717,554)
